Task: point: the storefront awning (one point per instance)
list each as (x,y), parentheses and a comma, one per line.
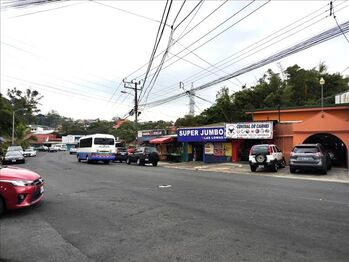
(161,140)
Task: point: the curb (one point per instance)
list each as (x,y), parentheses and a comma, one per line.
(233,169)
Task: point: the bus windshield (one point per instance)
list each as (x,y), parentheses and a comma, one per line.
(104,141)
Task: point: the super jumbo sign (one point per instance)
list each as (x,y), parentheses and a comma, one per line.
(201,134)
(252,130)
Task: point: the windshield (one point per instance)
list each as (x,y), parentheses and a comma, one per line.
(15,148)
(150,150)
(305,150)
(259,149)
(13,153)
(104,141)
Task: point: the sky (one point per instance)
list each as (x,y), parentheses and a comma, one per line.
(77,53)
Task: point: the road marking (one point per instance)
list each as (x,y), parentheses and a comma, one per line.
(165,186)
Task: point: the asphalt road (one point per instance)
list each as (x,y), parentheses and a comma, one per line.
(116,212)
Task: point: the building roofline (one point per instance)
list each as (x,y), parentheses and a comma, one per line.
(300,108)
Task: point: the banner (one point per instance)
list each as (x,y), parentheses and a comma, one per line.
(204,134)
(249,130)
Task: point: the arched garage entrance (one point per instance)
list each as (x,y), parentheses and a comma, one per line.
(334,145)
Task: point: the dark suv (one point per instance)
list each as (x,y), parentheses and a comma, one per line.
(120,154)
(143,155)
(310,157)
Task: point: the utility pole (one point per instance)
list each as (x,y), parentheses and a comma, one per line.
(191,101)
(191,98)
(133,85)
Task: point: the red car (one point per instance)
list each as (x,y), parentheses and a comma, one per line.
(19,188)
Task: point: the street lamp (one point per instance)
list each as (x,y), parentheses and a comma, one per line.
(322,82)
(13,124)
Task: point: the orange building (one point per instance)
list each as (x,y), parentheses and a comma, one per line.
(329,127)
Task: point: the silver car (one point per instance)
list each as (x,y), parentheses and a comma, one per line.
(310,157)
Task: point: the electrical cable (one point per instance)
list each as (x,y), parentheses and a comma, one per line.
(157,42)
(221,31)
(125,11)
(315,40)
(200,75)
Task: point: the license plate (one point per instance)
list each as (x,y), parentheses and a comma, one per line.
(305,158)
(13,160)
(41,189)
(147,159)
(261,166)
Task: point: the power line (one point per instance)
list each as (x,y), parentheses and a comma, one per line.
(157,42)
(315,40)
(221,31)
(335,18)
(201,74)
(126,11)
(138,69)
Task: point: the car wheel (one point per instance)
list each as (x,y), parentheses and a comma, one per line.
(283,163)
(155,163)
(324,170)
(88,160)
(292,170)
(140,162)
(253,168)
(128,161)
(2,206)
(275,167)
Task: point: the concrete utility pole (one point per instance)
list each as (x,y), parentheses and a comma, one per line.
(133,85)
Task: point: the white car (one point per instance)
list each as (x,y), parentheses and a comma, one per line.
(73,150)
(267,156)
(29,152)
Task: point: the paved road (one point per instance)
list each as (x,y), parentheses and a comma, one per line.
(96,212)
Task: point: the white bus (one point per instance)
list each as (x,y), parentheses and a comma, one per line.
(97,147)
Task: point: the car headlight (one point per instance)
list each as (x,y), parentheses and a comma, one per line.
(18,182)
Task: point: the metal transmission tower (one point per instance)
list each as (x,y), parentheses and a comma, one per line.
(191,95)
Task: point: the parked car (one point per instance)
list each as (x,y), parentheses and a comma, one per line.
(73,150)
(120,154)
(15,148)
(60,147)
(13,157)
(310,157)
(19,188)
(29,152)
(267,156)
(52,149)
(42,148)
(143,155)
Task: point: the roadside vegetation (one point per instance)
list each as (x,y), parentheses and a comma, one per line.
(294,86)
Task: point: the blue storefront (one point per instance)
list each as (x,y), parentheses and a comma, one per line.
(207,144)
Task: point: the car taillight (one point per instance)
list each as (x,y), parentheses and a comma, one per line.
(292,154)
(250,151)
(318,154)
(270,151)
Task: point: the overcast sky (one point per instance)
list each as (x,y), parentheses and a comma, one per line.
(77,53)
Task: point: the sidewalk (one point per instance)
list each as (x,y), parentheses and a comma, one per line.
(340,175)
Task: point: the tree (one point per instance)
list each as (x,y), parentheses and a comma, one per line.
(28,100)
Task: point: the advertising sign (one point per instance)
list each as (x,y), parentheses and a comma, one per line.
(209,149)
(205,134)
(250,130)
(158,132)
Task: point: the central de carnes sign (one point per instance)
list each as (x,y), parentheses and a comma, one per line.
(203,134)
(250,130)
